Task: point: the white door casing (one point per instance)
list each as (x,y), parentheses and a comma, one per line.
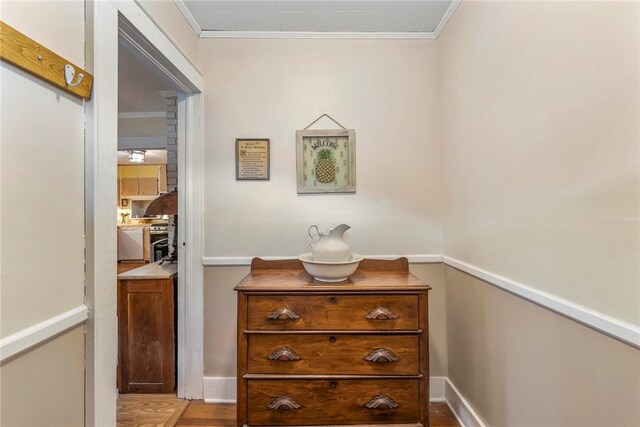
(127,19)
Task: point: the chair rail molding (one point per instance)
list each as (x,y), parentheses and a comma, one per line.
(27,338)
(601,322)
(618,329)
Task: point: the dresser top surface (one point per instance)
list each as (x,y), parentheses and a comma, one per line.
(371,275)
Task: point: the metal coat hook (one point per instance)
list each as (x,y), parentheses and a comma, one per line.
(69,74)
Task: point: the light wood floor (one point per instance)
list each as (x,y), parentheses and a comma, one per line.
(149,410)
(166,410)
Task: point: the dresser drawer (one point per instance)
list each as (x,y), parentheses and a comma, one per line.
(313,402)
(333,354)
(333,312)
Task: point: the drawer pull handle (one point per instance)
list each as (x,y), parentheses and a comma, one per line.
(381,356)
(283,403)
(381,313)
(283,313)
(382,402)
(283,354)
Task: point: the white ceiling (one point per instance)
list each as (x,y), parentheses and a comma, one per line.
(138,87)
(155,157)
(317,16)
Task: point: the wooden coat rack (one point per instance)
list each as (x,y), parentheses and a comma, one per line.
(30,56)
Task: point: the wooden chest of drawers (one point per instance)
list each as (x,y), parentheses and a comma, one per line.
(314,354)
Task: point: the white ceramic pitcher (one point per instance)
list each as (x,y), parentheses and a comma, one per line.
(330,246)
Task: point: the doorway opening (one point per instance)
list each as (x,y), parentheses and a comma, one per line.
(147,282)
(127,23)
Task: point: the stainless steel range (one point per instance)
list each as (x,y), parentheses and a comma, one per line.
(159,241)
(162,228)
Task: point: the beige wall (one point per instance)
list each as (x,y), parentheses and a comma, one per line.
(220,318)
(540,130)
(518,364)
(41,175)
(171,21)
(45,386)
(42,221)
(385,89)
(147,126)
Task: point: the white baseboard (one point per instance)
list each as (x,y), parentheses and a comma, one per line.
(463,412)
(437,387)
(441,389)
(36,334)
(219,389)
(223,389)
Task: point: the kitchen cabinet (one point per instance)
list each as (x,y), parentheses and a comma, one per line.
(146,329)
(353,353)
(147,180)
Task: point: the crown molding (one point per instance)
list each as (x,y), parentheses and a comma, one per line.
(445,18)
(316,34)
(188,16)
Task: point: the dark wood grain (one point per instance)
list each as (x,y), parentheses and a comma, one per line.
(289,275)
(302,347)
(263,264)
(296,280)
(318,354)
(339,312)
(146,350)
(400,264)
(242,361)
(423,307)
(332,402)
(199,413)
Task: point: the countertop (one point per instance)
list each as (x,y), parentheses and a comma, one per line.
(151,271)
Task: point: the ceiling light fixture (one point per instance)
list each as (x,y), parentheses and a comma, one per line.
(136,156)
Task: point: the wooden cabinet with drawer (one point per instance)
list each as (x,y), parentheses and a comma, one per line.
(354,353)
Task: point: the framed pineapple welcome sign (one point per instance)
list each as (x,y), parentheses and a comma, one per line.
(326,161)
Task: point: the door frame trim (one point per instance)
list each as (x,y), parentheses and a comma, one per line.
(104,23)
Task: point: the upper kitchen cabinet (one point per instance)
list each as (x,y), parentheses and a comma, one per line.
(145,180)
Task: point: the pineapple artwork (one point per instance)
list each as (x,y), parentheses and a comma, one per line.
(325,161)
(325,166)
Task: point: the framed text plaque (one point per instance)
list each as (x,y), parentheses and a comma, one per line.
(252,159)
(326,161)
